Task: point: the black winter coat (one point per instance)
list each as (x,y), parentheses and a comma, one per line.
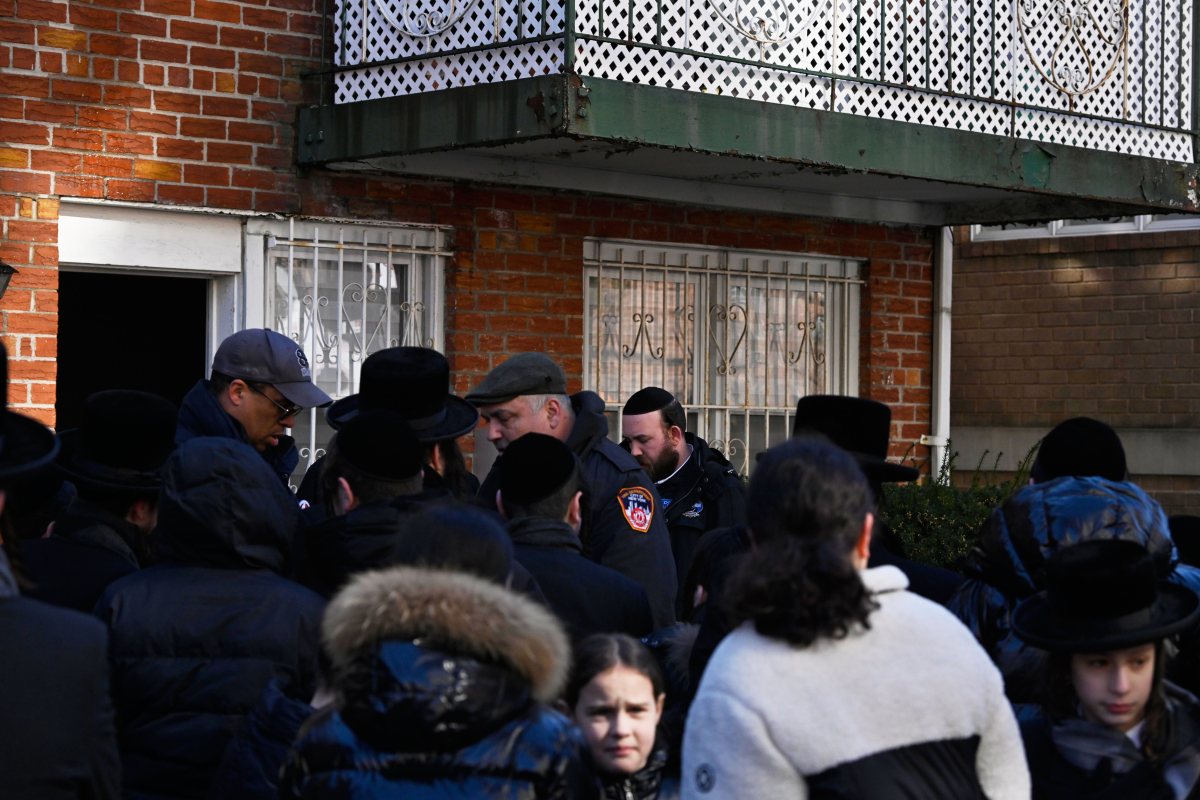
(623,524)
(196,638)
(442,679)
(1018,538)
(587,597)
(89,549)
(250,767)
(651,782)
(371,537)
(705,494)
(1073,758)
(57,740)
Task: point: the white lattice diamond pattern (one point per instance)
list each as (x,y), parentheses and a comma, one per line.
(961,64)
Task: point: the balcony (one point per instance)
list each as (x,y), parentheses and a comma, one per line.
(920,111)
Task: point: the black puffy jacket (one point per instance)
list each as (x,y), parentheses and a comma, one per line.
(1009,562)
(442,680)
(195,639)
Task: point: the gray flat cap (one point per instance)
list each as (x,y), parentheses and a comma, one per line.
(524,373)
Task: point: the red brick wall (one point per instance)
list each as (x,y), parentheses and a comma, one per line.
(191,102)
(1106,326)
(29,310)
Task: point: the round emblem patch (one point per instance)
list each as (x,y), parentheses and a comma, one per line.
(705,778)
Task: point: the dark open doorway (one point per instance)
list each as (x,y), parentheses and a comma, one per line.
(128,332)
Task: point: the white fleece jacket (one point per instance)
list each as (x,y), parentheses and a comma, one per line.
(767,713)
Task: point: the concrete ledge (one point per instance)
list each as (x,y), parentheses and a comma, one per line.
(1148,451)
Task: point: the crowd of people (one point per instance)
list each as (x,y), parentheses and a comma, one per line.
(592,620)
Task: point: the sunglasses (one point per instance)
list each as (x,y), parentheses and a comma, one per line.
(285,411)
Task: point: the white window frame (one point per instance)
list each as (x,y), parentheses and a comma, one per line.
(336,329)
(1142,223)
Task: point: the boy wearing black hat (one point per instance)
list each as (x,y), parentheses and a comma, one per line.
(623,525)
(700,490)
(113,460)
(539,494)
(260,382)
(58,740)
(414,382)
(370,480)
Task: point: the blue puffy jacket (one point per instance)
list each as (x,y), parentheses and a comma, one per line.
(1008,564)
(442,681)
(196,639)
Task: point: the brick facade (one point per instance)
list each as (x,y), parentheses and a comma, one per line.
(1101,326)
(191,102)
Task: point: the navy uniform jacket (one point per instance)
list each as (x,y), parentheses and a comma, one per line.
(623,525)
(706,493)
(586,596)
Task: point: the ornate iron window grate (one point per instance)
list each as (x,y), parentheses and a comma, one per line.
(737,336)
(345,291)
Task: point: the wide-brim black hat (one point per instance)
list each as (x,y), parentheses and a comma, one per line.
(1101,596)
(125,439)
(415,382)
(26,445)
(859,426)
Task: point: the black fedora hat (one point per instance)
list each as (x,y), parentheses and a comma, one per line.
(26,445)
(125,438)
(414,381)
(859,426)
(1103,595)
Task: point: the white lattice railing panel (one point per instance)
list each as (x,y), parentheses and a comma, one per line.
(1110,75)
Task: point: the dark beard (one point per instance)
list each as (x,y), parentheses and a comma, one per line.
(664,465)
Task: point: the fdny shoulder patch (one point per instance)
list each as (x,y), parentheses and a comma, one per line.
(637,504)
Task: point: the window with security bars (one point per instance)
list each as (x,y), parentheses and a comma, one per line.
(736,336)
(345,291)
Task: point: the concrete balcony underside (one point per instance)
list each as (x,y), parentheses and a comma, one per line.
(625,139)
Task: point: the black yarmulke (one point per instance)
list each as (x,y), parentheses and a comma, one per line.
(646,400)
(381,445)
(1081,447)
(533,468)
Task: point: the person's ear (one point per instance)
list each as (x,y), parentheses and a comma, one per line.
(553,411)
(661,703)
(862,548)
(575,512)
(437,460)
(236,391)
(675,434)
(142,514)
(344,499)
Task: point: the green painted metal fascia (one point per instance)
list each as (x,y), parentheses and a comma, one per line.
(632,115)
(474,116)
(645,115)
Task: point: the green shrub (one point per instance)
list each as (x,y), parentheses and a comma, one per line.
(936,521)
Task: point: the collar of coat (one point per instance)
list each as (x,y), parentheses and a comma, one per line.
(449,611)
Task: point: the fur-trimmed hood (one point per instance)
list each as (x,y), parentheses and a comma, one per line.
(453,612)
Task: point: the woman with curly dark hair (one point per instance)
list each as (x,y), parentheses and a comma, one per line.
(840,682)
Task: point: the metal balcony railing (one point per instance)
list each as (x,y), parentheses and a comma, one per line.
(1109,75)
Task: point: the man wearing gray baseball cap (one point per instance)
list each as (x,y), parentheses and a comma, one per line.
(622,527)
(260,382)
